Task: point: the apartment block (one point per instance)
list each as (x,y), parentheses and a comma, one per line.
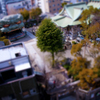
(76,1)
(49,6)
(94,0)
(13,6)
(17,79)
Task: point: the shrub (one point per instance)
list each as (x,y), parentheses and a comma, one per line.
(6,41)
(2,38)
(67,66)
(73,42)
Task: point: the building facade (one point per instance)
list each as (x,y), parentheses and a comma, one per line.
(0,8)
(49,6)
(13,6)
(76,1)
(94,0)
(17,79)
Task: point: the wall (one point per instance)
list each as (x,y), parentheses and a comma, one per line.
(11,8)
(15,61)
(21,89)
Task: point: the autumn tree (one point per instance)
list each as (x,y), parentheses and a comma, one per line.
(76,49)
(78,65)
(63,4)
(25,14)
(87,16)
(49,37)
(87,78)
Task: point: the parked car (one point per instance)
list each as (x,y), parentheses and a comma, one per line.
(98,39)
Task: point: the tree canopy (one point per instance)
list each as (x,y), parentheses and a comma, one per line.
(76,49)
(34,13)
(78,65)
(25,14)
(49,37)
(87,78)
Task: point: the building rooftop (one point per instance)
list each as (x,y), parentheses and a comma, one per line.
(13,1)
(12,51)
(69,15)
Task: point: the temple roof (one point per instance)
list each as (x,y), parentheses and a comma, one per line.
(69,15)
(94,4)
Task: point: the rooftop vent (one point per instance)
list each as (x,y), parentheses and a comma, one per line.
(17,54)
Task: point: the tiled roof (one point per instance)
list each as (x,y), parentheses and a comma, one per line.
(69,15)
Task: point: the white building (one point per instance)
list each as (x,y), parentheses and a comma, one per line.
(12,6)
(41,5)
(49,6)
(16,56)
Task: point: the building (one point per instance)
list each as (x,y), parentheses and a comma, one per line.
(17,79)
(94,4)
(3,4)
(94,0)
(69,15)
(49,6)
(77,1)
(11,26)
(14,6)
(0,8)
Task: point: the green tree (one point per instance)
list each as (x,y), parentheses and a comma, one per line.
(64,3)
(25,14)
(34,13)
(49,37)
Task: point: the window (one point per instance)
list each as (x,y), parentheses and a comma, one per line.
(58,8)
(25,94)
(53,5)
(54,9)
(53,0)
(58,4)
(33,91)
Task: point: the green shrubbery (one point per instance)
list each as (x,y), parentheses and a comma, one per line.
(67,66)
(73,42)
(2,38)
(6,41)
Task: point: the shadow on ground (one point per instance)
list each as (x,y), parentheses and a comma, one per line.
(24,39)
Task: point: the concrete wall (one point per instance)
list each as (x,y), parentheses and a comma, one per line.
(14,62)
(88,95)
(20,89)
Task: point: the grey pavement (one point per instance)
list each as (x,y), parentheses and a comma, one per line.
(30,35)
(24,39)
(36,56)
